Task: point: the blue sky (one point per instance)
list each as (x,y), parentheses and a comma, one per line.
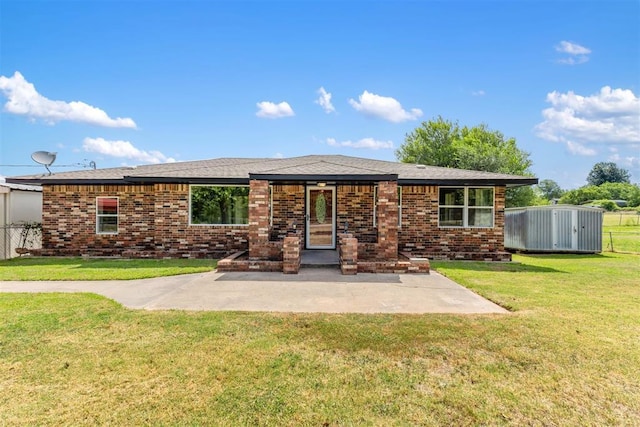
(125,83)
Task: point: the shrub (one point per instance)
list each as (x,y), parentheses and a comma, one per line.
(608,205)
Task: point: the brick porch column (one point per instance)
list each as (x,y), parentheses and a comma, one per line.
(498,226)
(348,250)
(291,255)
(387,220)
(258,219)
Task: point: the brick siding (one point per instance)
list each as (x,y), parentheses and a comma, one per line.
(287,211)
(420,235)
(154,222)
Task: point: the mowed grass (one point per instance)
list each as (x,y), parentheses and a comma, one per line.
(98,269)
(621,232)
(569,354)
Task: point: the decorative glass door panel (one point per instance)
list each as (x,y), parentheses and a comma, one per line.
(321,221)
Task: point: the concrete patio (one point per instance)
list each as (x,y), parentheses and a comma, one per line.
(313,290)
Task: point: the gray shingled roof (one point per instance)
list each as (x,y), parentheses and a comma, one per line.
(312,167)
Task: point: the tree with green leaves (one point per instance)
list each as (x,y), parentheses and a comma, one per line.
(607,191)
(607,172)
(441,142)
(550,189)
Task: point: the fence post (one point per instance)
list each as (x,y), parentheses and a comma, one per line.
(611,241)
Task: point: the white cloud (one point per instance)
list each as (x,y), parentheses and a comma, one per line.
(324,100)
(577,54)
(579,149)
(607,102)
(269,110)
(632,162)
(23,99)
(611,116)
(478,93)
(124,149)
(573,60)
(369,143)
(386,108)
(572,48)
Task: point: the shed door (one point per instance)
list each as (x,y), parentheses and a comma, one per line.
(565,229)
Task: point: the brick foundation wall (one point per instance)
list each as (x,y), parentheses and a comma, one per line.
(420,235)
(153,222)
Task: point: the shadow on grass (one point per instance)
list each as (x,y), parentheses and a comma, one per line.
(563,256)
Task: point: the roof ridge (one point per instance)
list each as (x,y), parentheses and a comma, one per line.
(356,166)
(204,163)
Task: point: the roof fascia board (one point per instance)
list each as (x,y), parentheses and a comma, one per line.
(467,182)
(53,181)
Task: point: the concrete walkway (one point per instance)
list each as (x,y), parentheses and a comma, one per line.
(315,290)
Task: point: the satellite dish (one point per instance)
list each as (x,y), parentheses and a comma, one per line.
(45,158)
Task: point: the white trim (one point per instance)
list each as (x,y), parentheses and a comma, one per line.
(334,192)
(375,206)
(270,205)
(117,216)
(465,207)
(399,206)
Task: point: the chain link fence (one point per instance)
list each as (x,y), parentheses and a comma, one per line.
(19,239)
(621,232)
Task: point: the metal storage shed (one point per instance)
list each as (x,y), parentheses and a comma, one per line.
(554,228)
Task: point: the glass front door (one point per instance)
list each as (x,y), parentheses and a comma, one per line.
(321,218)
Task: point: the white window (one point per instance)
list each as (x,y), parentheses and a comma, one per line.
(107,215)
(219,205)
(466,207)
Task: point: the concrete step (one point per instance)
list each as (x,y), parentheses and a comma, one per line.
(320,259)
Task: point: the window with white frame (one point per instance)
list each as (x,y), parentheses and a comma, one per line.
(219,205)
(107,215)
(466,207)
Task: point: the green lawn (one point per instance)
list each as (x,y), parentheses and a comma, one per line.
(568,355)
(98,269)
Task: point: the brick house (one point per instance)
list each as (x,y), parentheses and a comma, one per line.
(261,213)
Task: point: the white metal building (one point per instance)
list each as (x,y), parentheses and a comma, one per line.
(554,228)
(19,204)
